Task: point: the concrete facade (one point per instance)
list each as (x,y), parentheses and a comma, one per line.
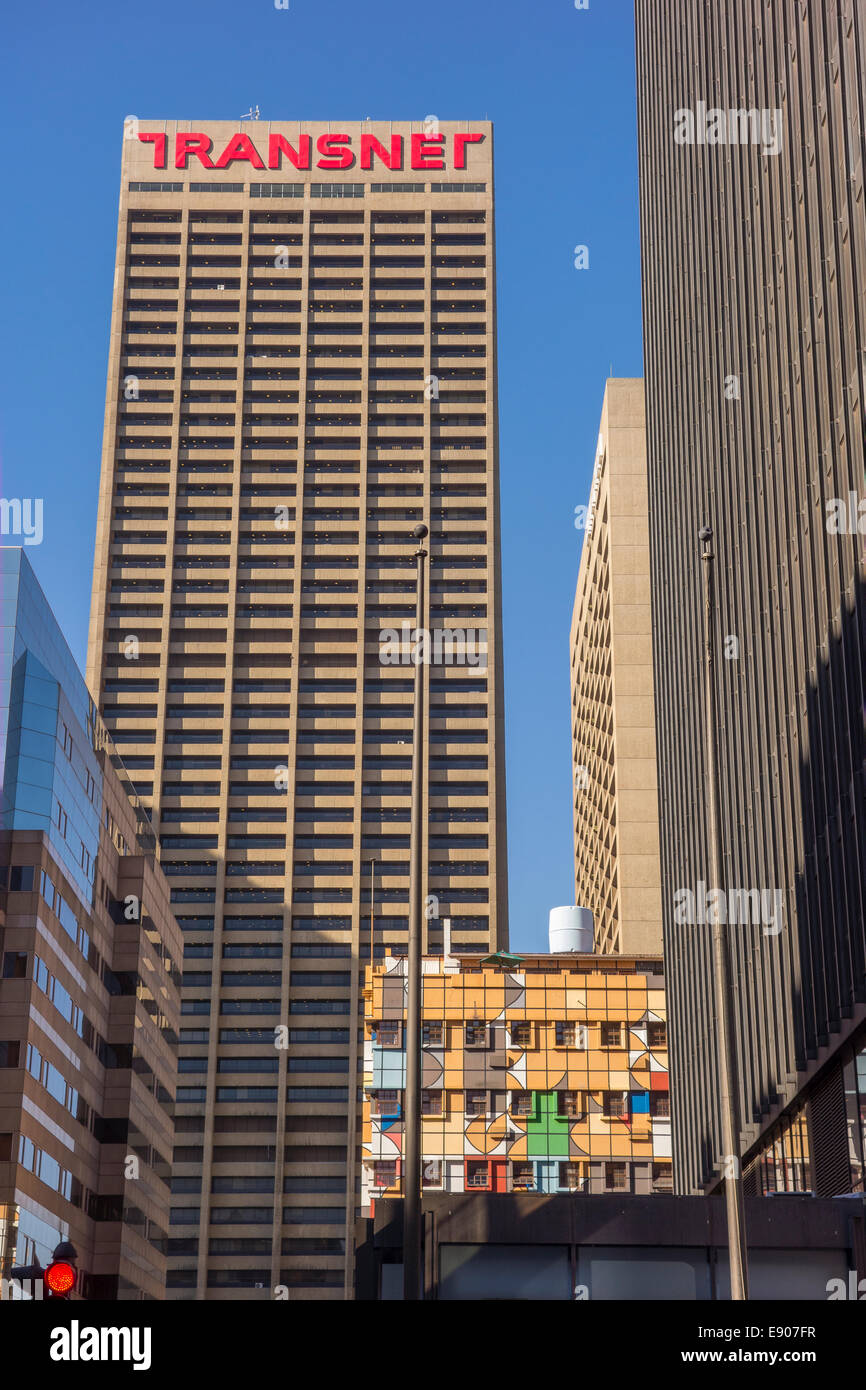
(754,297)
(616,822)
(302,368)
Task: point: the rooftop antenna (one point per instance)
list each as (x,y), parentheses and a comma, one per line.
(252,114)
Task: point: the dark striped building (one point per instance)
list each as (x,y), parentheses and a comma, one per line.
(751,120)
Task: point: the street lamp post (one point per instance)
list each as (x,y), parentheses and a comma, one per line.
(728,1102)
(412,1272)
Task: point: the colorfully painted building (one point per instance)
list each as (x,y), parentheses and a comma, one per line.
(545,1073)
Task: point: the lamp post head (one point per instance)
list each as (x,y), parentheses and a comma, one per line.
(705,533)
(420,532)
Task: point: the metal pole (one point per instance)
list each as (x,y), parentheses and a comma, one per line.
(412,1270)
(728,1104)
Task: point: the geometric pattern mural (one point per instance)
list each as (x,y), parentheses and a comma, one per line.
(548,1077)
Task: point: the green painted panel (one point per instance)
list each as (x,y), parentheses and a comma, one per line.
(546,1133)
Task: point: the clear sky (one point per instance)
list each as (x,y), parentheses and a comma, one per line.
(559,85)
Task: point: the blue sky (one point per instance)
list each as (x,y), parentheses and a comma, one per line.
(559,85)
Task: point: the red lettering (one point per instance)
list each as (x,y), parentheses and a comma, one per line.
(159,142)
(240,147)
(197,144)
(425,148)
(371,147)
(460,143)
(279,145)
(335,157)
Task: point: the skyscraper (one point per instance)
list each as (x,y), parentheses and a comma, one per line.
(302,368)
(754,282)
(616,824)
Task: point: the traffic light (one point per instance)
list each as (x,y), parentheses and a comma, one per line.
(60,1276)
(59,1279)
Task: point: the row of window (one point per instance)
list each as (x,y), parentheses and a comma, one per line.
(296,190)
(257,1278)
(524,1175)
(570,1105)
(265,1095)
(247,1185)
(258,1245)
(478,1036)
(260,1216)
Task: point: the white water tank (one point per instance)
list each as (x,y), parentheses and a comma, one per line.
(570,929)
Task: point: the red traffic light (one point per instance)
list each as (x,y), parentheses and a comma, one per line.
(60,1278)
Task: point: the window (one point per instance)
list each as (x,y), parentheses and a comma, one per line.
(521,1034)
(431,1102)
(386,1103)
(611,1035)
(568,1104)
(431,1172)
(616,1177)
(476,1103)
(475,1035)
(388,1034)
(523,1176)
(657,1035)
(385,1174)
(564,1034)
(15,965)
(477,1173)
(62,820)
(616,1105)
(314,1216)
(432,1034)
(521,1102)
(571,1177)
(20,878)
(276,190)
(660,1104)
(217,188)
(663,1178)
(459,188)
(336,190)
(151,187)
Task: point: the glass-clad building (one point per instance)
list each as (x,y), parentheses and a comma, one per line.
(88,978)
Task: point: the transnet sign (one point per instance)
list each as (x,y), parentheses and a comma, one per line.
(333,151)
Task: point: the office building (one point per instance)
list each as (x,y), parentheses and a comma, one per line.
(302,368)
(753,223)
(544,1073)
(616,824)
(89,987)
